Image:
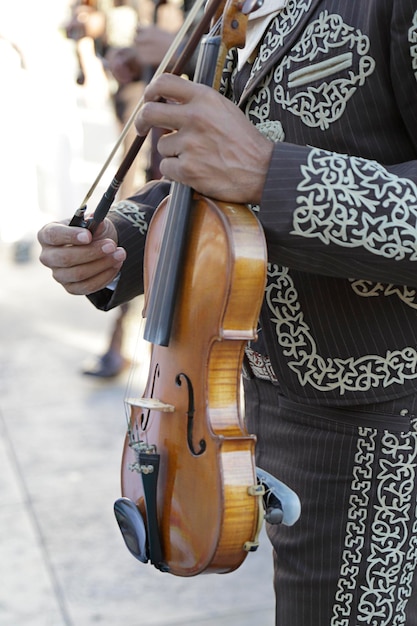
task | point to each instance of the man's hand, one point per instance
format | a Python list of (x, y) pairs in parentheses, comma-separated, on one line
[(125, 64), (152, 43), (128, 64), (212, 146), (81, 262)]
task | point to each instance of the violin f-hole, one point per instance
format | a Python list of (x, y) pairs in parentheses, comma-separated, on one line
[(190, 416)]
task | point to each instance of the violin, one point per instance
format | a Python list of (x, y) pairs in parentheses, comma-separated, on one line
[(193, 500)]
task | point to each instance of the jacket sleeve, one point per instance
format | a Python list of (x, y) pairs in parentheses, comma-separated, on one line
[(341, 216), (345, 216)]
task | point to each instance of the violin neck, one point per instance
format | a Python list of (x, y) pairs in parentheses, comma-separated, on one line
[(161, 305), (165, 284), (206, 67)]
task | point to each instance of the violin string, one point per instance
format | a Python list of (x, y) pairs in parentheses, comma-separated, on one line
[(139, 364), (135, 380)]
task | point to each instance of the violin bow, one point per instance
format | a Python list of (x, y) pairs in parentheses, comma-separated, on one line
[(109, 195)]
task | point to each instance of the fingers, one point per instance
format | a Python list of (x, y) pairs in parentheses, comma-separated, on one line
[(169, 145), (60, 234), (78, 255), (212, 146), (87, 278), (152, 43), (125, 64), (80, 262), (171, 89)]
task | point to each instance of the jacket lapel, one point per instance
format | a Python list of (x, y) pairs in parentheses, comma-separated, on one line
[(280, 37)]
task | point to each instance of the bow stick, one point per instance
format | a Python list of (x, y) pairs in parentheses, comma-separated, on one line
[(108, 197)]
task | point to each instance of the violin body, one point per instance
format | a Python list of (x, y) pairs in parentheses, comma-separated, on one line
[(190, 417)]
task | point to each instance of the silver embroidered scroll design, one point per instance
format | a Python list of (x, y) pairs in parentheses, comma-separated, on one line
[(272, 130), (353, 202), (328, 374), (412, 38), (355, 530), (258, 107), (228, 75), (131, 212), (370, 289), (281, 26), (260, 365), (323, 71), (392, 558), (387, 580), (409, 568)]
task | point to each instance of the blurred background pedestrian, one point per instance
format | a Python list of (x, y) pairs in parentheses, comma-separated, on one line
[(122, 43)]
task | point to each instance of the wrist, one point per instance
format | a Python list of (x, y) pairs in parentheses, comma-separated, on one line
[(262, 161)]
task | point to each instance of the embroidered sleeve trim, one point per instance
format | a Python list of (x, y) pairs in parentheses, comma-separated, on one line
[(340, 203), (132, 212)]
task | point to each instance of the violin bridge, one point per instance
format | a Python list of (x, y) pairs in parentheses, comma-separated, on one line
[(152, 404)]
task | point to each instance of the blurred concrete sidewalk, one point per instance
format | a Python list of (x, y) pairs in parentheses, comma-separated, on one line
[(62, 559)]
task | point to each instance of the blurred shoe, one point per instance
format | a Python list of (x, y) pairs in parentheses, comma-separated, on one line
[(22, 251), (107, 366)]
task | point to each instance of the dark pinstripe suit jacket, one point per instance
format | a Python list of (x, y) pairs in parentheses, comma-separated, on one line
[(334, 84)]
